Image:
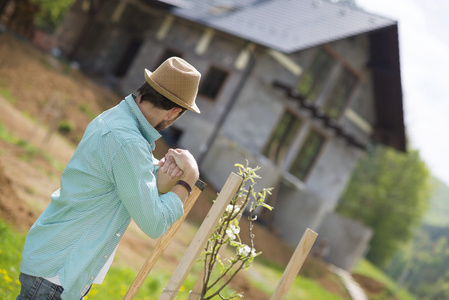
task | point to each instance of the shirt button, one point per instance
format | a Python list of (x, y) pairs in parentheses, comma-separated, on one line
[(105, 256), (92, 278), (118, 234)]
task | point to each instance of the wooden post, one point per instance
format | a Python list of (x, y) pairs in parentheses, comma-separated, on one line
[(295, 264), (163, 242), (195, 293), (196, 246)]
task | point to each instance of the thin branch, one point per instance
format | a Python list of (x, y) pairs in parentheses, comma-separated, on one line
[(227, 282)]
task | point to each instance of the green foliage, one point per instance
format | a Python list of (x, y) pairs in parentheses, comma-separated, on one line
[(423, 266), (51, 12), (439, 209), (389, 193)]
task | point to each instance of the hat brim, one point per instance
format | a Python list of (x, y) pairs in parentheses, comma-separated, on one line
[(169, 95)]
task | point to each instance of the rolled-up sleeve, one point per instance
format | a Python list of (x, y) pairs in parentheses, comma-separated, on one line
[(134, 176)]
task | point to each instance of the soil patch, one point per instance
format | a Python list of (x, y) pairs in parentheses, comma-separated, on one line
[(12, 209), (368, 284)]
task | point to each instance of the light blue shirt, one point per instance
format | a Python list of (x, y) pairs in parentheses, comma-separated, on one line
[(110, 178)]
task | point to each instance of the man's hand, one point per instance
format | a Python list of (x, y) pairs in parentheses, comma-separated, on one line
[(177, 164), (168, 166), (168, 174), (187, 163)]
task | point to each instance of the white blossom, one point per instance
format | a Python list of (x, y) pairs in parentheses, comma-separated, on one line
[(235, 229), (231, 208), (245, 250), (230, 234), (253, 253), (232, 231)]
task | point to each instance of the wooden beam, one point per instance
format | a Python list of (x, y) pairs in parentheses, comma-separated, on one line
[(165, 27), (286, 62), (358, 121), (204, 41)]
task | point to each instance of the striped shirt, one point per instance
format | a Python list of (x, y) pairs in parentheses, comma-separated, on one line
[(110, 178)]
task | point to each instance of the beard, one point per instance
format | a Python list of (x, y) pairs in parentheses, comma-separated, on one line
[(162, 125)]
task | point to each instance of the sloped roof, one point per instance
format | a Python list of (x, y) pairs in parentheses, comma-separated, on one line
[(285, 25)]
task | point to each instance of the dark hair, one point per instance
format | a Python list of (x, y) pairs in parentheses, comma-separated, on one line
[(149, 94)]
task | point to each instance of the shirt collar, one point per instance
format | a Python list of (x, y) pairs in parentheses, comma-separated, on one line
[(148, 132)]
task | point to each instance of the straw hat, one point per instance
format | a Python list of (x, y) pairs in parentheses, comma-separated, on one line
[(177, 80)]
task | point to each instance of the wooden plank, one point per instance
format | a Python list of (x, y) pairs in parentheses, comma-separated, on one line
[(163, 242), (295, 264), (195, 293), (196, 246)]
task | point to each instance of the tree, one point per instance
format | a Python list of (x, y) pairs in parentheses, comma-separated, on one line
[(227, 232), (51, 12), (389, 193)]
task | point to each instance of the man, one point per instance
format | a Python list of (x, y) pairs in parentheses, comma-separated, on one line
[(111, 178)]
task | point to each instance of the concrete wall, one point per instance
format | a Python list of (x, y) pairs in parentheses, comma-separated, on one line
[(295, 210), (347, 240)]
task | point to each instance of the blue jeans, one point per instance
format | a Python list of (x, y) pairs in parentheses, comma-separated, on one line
[(38, 288)]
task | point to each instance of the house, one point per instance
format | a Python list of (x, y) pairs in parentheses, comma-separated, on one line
[(301, 88)]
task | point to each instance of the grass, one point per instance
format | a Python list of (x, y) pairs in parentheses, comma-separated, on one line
[(367, 269), (266, 275), (84, 108), (30, 152), (6, 93), (10, 255)]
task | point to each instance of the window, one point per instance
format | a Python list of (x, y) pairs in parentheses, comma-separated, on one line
[(307, 155), (93, 36), (339, 95), (213, 82), (127, 57), (282, 138), (313, 80)]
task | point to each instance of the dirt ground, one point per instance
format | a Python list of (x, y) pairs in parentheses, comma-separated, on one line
[(28, 176)]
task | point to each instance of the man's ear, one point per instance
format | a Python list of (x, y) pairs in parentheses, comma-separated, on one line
[(173, 113)]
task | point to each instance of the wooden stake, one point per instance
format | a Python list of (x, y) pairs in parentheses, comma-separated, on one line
[(295, 264), (163, 242), (207, 227)]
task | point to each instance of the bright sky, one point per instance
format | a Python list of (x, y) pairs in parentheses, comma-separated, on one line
[(424, 49)]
